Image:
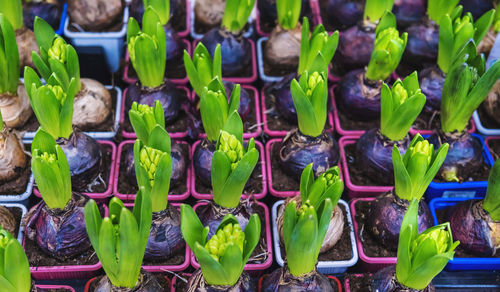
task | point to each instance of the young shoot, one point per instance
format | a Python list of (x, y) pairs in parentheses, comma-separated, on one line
[(400, 107), (491, 202), (145, 119), (314, 192), (436, 9), (2, 124), (161, 7), (148, 48), (9, 57), (422, 256), (223, 257), (236, 14), (15, 275), (375, 9), (51, 170), (288, 13), (466, 86), (201, 69), (120, 239), (414, 171), (387, 50), (13, 10)]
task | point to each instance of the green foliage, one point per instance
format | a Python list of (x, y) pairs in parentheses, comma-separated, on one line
[(13, 10), (328, 185), (201, 70), (375, 9), (9, 57), (236, 14), (162, 8), (491, 202), (14, 266), (436, 9), (288, 13)]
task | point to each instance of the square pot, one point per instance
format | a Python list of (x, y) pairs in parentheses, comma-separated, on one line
[(130, 78), (462, 263), (356, 191), (132, 135), (103, 195), (493, 144), (324, 267), (131, 197), (336, 119), (112, 43), (115, 115), (461, 190), (209, 196), (266, 120), (19, 216), (483, 129), (56, 287), (256, 111), (89, 283), (29, 185), (64, 15), (331, 278), (265, 224)]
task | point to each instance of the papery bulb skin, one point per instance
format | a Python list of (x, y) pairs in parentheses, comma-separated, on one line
[(282, 97), (26, 43), (282, 48), (355, 47), (408, 12), (167, 94), (374, 155), (212, 215), (431, 81), (209, 13), (386, 214), (476, 7), (93, 15), (385, 280), (7, 220), (165, 238), (92, 105), (359, 97), (13, 159), (343, 14), (59, 233), (236, 51), (197, 283), (202, 161), (492, 103), (50, 11), (146, 283), (478, 234), (84, 156), (280, 280), (245, 107), (297, 151), (422, 43), (16, 109), (464, 158)]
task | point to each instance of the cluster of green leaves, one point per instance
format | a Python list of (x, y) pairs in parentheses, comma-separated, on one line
[(456, 31), (152, 161), (491, 202), (400, 107), (314, 192), (422, 256), (224, 267), (13, 10), (161, 7), (414, 171), (387, 50), (15, 273), (236, 14), (120, 239), (288, 13), (9, 58), (148, 48), (375, 9), (466, 86), (436, 9), (51, 170), (201, 70)]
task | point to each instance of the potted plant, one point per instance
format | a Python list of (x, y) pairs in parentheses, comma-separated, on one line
[(367, 161), (381, 217), (358, 93), (53, 11), (267, 14), (421, 256), (179, 14), (338, 251), (474, 222), (278, 95), (466, 86), (11, 217), (25, 38), (222, 250)]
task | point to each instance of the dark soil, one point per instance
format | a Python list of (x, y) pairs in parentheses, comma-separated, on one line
[(281, 181), (494, 146), (430, 121), (126, 186), (19, 184), (100, 184), (173, 70), (481, 175), (371, 247), (274, 70), (18, 215), (357, 175), (360, 284), (253, 185), (178, 20), (486, 121), (161, 279), (346, 123)]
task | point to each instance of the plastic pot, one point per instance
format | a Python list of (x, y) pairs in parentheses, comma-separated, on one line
[(56, 287), (29, 187), (339, 286), (131, 197), (483, 129), (324, 267), (109, 190), (87, 286), (336, 119), (489, 142), (20, 233)]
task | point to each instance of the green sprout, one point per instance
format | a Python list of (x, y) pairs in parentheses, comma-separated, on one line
[(232, 166), (148, 48), (201, 70), (120, 239), (161, 7), (375, 9), (2, 124), (13, 10), (319, 41), (414, 171), (9, 57), (400, 107), (288, 13), (387, 50), (314, 192), (436, 9), (491, 201), (466, 86), (422, 256), (496, 21), (145, 119), (223, 257), (455, 32), (236, 14), (14, 266), (51, 170)]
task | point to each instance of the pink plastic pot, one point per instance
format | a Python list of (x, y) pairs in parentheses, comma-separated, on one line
[(55, 287), (413, 131), (366, 263), (249, 267), (276, 133), (109, 190), (185, 32), (258, 130), (490, 140), (131, 197), (247, 79), (66, 272), (131, 135), (172, 268), (174, 281), (336, 119), (356, 191), (87, 286), (258, 196), (339, 286), (130, 80), (272, 190)]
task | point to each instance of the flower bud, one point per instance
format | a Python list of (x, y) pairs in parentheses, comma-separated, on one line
[(230, 234), (149, 159), (314, 79), (58, 92), (440, 237), (399, 94), (423, 148), (58, 50)]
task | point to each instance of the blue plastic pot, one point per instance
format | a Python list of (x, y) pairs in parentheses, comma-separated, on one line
[(64, 15), (462, 263)]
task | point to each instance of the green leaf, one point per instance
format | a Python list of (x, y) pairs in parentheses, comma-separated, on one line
[(232, 263), (107, 250), (9, 64), (402, 180), (306, 180), (13, 10), (374, 9), (191, 227), (221, 168), (252, 236), (17, 267), (325, 212), (213, 272), (162, 7), (161, 187), (288, 13), (234, 125), (491, 202), (301, 249), (436, 9), (305, 111), (289, 221), (93, 222), (129, 253), (160, 139)]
